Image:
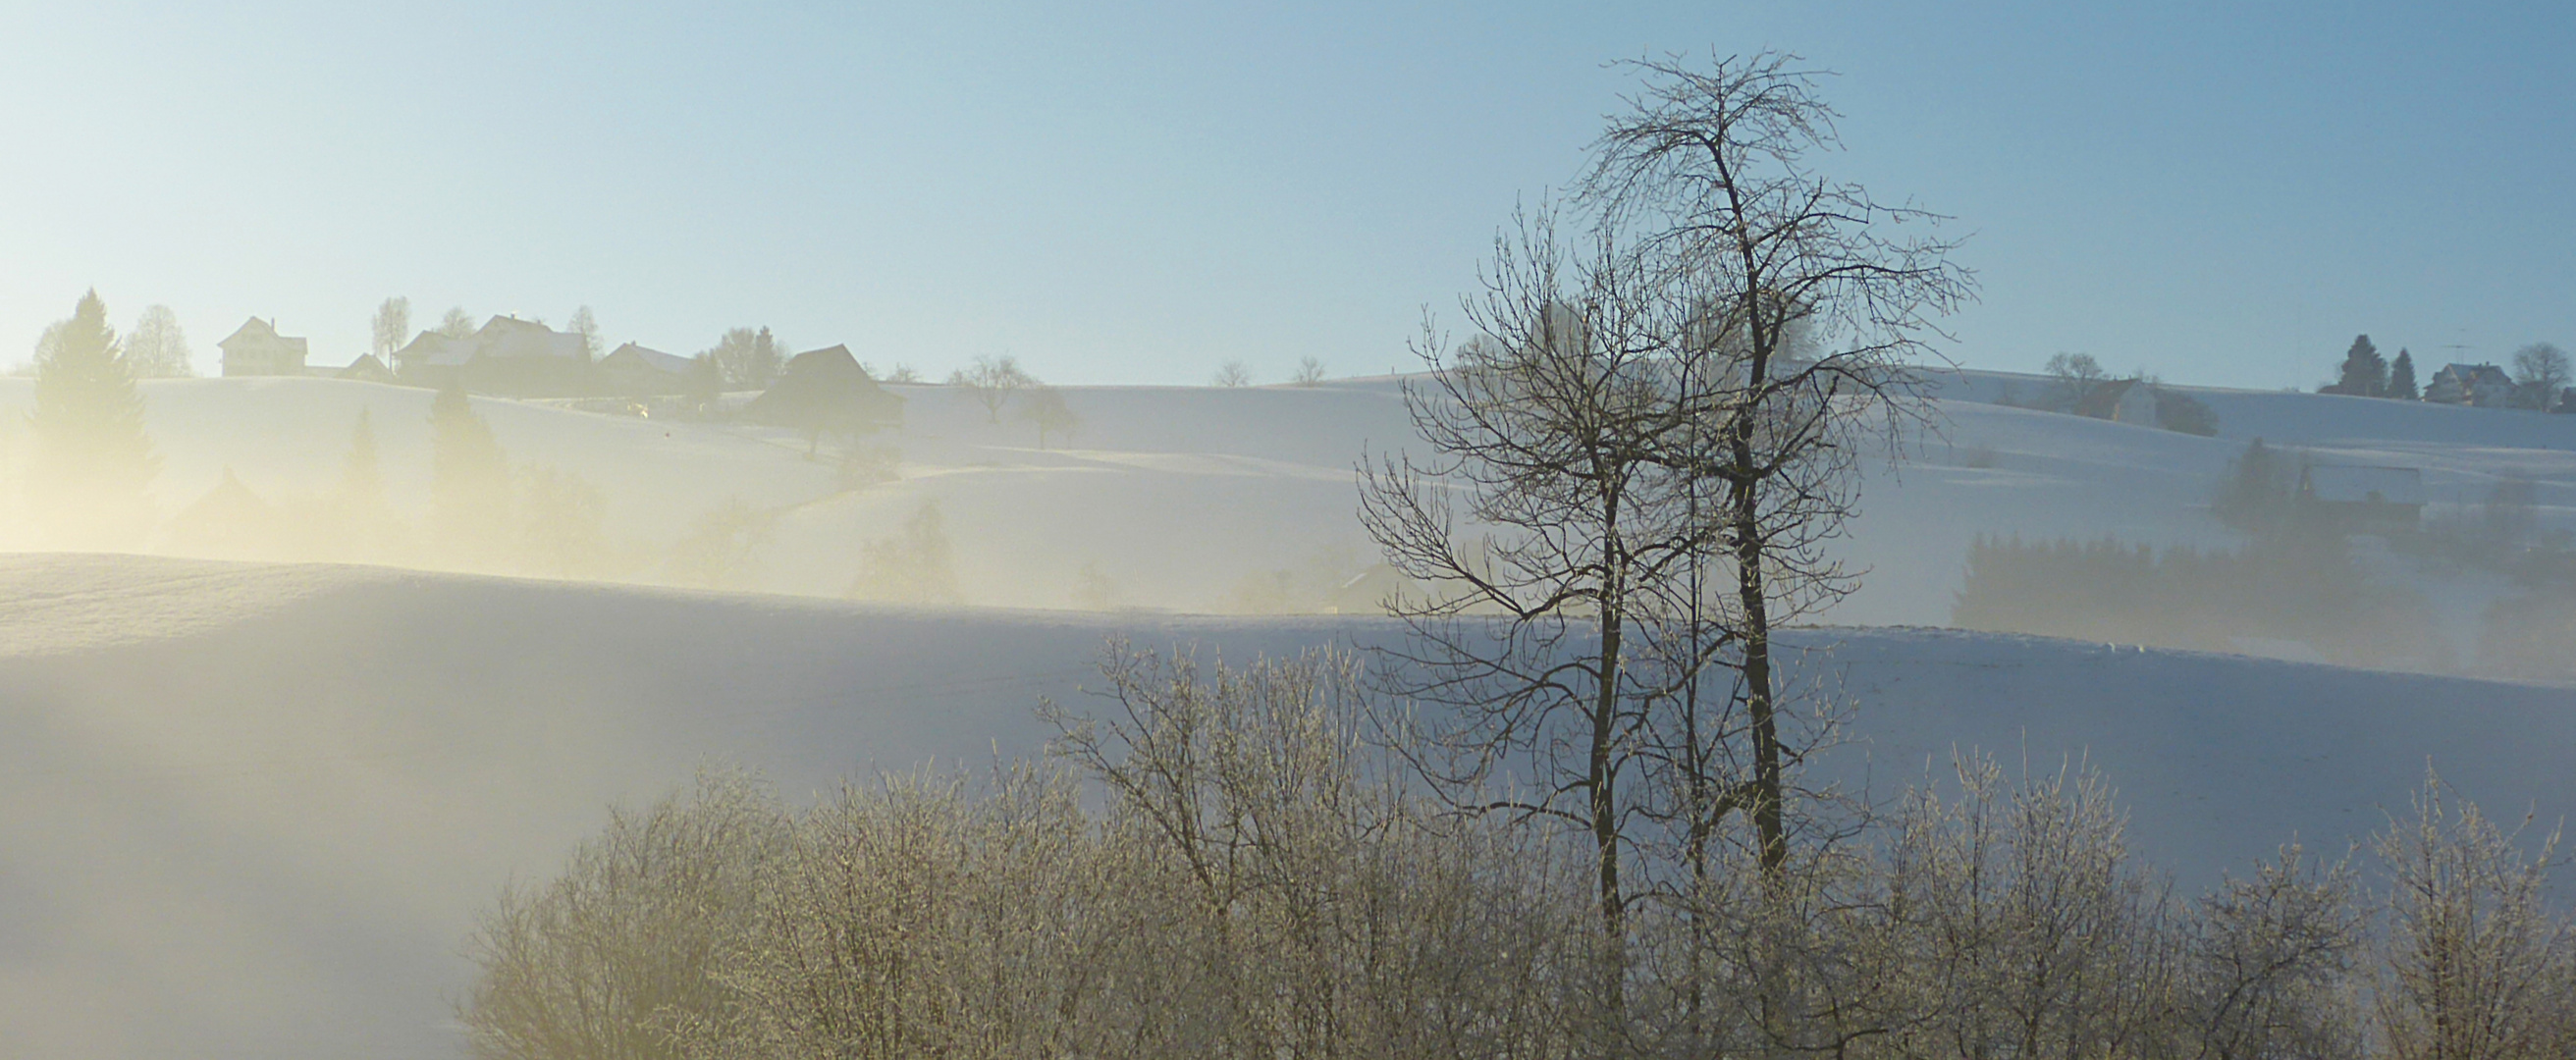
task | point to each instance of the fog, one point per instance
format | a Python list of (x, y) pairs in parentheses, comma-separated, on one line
[(1689, 647), (257, 803)]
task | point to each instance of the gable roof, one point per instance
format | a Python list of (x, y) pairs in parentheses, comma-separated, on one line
[(640, 356), (255, 332), (2476, 373), (825, 389), (507, 336), (368, 367), (435, 350)]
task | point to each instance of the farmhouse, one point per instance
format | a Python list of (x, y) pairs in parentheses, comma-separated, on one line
[(825, 391), (636, 371), (2482, 385), (506, 355), (256, 348)]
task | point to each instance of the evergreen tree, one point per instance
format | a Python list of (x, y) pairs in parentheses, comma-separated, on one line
[(2256, 494), (2401, 377), (362, 476), (92, 459), (361, 518), (469, 483), (2364, 374)]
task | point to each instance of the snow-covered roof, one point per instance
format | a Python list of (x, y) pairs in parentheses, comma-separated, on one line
[(257, 332), (2482, 373), (647, 357), (438, 351), (2354, 484), (513, 337)]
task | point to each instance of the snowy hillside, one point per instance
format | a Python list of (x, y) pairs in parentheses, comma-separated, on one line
[(1241, 499), (251, 810)]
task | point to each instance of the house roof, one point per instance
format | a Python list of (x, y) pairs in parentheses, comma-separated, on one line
[(2477, 373), (2356, 484), (367, 366), (437, 350), (632, 354), (257, 332), (824, 388), (506, 336)]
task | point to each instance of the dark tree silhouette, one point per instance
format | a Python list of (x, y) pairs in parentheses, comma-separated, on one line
[(92, 459)]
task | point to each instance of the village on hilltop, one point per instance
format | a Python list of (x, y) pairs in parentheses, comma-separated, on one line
[(818, 391)]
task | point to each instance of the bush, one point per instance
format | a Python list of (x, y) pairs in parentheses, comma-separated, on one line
[(1250, 874)]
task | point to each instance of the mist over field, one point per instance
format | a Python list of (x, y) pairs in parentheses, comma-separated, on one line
[(1216, 597)]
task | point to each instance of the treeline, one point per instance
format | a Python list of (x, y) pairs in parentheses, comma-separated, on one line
[(2275, 589), (1231, 864), (2539, 379)]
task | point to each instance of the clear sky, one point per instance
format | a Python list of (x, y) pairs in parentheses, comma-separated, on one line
[(2217, 193)]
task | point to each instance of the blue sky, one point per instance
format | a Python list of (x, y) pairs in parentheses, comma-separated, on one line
[(2219, 194)]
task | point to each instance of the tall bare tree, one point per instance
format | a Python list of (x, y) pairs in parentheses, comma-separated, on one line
[(1547, 427), (586, 326), (392, 327), (1809, 302)]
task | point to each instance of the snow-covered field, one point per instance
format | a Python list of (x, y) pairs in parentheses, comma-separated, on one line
[(250, 810)]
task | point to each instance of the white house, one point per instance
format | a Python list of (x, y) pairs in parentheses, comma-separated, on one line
[(256, 348)]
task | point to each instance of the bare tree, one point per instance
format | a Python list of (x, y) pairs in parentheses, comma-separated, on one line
[(1546, 426), (991, 382), (586, 326), (1309, 371), (1807, 310), (457, 324), (1046, 408), (2072, 377), (2477, 963), (2540, 373), (1233, 373), (392, 328), (156, 348)]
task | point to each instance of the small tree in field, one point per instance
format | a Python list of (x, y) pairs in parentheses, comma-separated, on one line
[(1233, 373), (1045, 408), (157, 348), (2540, 372), (1309, 372), (991, 382)]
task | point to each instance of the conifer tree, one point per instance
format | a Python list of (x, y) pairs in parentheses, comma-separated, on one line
[(469, 485), (2363, 374), (92, 459), (363, 517), (2401, 378)]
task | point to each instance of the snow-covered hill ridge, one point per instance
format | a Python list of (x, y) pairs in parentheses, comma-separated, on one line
[(250, 810), (1210, 499)]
